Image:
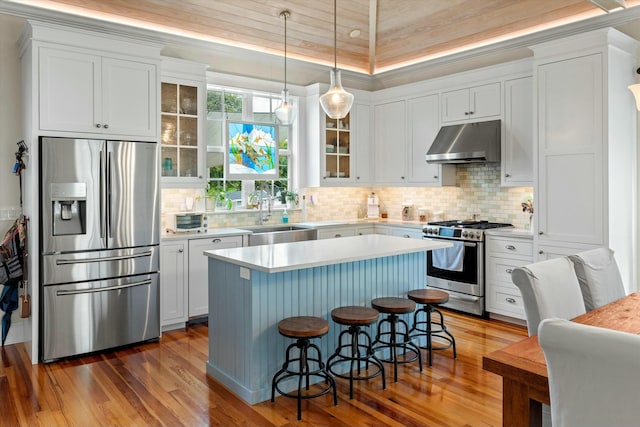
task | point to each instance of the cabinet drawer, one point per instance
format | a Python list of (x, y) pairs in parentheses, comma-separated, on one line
[(499, 269), (506, 301), (510, 246)]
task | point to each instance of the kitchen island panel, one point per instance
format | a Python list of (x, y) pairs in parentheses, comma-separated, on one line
[(245, 348)]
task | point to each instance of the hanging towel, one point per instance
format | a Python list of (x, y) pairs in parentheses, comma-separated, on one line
[(449, 258)]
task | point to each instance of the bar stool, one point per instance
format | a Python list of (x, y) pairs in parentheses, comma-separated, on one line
[(389, 339), (430, 299), (303, 329), (354, 351)]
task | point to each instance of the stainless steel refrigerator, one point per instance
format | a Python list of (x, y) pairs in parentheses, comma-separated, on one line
[(99, 213)]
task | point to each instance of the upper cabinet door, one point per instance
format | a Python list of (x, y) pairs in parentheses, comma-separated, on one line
[(390, 143), (424, 126), (472, 103), (517, 148), (82, 93), (128, 93), (70, 93)]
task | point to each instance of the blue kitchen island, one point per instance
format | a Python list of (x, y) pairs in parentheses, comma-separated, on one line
[(252, 288)]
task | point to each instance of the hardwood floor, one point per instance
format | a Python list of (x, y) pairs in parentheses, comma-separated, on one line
[(165, 384)]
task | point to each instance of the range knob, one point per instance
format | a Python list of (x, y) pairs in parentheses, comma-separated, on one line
[(465, 234)]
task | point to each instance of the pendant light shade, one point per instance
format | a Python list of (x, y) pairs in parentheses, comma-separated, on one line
[(337, 102), (286, 112), (635, 89)]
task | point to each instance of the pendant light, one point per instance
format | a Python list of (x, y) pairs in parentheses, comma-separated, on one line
[(635, 89), (286, 113), (337, 102)]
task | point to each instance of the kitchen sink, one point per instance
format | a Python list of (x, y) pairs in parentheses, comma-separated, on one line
[(266, 235)]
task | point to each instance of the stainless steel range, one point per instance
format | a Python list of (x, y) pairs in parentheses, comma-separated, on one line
[(459, 270)]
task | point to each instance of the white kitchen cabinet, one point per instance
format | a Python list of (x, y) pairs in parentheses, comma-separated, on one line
[(407, 233), (517, 140), (471, 104), (199, 270), (390, 143), (84, 91), (586, 132), (424, 125), (182, 121), (503, 255), (173, 283), (363, 230)]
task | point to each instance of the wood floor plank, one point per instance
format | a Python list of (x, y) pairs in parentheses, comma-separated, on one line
[(165, 383)]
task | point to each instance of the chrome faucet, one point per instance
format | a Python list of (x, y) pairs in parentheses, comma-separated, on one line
[(262, 219)]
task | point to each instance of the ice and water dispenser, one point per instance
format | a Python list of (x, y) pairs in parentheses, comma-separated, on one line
[(69, 208)]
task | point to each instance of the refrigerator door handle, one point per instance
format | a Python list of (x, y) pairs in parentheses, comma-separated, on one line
[(109, 288), (102, 197), (101, 259), (109, 231)]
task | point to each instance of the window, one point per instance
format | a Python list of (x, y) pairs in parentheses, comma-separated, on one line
[(244, 105)]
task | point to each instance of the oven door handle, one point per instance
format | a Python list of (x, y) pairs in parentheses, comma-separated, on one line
[(464, 297), (466, 244)]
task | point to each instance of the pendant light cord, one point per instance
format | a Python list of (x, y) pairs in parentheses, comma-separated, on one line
[(285, 14), (335, 35)]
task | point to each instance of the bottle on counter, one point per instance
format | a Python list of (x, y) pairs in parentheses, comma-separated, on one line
[(285, 217)]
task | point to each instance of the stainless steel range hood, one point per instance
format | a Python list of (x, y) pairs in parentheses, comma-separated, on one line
[(466, 143)]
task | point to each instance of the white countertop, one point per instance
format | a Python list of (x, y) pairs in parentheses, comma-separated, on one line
[(315, 253)]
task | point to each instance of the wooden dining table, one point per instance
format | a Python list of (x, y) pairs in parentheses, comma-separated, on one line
[(525, 382)]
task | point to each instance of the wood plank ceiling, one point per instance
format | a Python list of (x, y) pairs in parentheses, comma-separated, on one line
[(392, 33)]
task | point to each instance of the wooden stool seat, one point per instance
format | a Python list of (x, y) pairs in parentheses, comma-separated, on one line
[(428, 296), (393, 305), (354, 315), (303, 327)]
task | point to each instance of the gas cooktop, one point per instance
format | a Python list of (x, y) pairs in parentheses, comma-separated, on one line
[(460, 230), (476, 225)]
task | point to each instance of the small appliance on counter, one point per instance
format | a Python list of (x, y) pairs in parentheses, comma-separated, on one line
[(184, 222), (373, 206), (407, 211)]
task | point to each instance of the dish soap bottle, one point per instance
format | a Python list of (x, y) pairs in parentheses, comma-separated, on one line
[(285, 217)]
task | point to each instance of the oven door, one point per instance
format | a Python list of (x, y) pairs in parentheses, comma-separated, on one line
[(471, 265)]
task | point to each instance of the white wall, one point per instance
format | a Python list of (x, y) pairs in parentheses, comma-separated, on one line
[(10, 134)]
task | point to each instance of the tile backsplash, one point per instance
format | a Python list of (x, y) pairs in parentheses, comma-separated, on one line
[(477, 192)]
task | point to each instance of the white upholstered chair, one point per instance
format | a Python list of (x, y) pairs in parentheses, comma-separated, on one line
[(599, 277), (549, 289), (594, 374)]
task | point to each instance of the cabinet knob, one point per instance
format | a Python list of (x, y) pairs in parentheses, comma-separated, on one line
[(337, 235), (406, 236), (540, 252), (357, 177), (510, 247), (507, 175), (180, 251), (106, 126), (435, 177), (509, 270), (466, 113), (471, 112), (510, 300), (216, 241), (540, 233), (402, 177), (98, 125)]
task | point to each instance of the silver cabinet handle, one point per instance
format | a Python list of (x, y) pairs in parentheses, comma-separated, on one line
[(509, 270), (337, 235), (541, 232), (406, 236), (510, 247), (106, 126), (507, 175), (216, 240), (510, 300), (435, 177), (102, 259), (98, 125), (180, 251), (109, 288)]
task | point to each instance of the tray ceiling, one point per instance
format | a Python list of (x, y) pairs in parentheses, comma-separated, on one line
[(374, 36)]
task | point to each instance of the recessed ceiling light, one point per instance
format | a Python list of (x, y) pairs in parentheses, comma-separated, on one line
[(354, 33)]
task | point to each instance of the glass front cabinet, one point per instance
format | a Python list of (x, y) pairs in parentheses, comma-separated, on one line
[(181, 132), (337, 148)]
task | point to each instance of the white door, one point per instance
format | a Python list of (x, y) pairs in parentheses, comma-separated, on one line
[(517, 152), (173, 282), (390, 143), (423, 125)]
